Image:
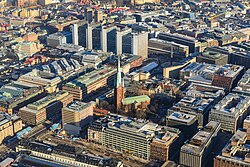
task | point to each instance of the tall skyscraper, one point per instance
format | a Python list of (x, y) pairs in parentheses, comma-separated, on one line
[(140, 44), (108, 38), (75, 34), (89, 37), (119, 36), (119, 87), (88, 14), (98, 16)]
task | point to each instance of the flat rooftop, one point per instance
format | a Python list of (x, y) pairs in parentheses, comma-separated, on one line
[(14, 91), (212, 55), (78, 106), (244, 83), (47, 100), (202, 90), (232, 103), (197, 104), (201, 139), (207, 71), (237, 149), (5, 118), (181, 117), (138, 127), (40, 75), (92, 77)]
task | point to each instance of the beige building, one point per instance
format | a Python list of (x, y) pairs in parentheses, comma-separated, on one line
[(9, 126), (46, 108), (246, 126), (140, 44), (3, 3), (45, 2), (235, 153), (27, 49), (164, 146), (140, 2), (174, 70), (77, 113), (39, 78)]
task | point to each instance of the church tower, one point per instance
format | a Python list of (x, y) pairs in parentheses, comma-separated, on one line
[(119, 87)]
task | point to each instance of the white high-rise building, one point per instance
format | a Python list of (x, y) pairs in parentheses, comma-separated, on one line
[(140, 44), (75, 34), (89, 37), (119, 39)]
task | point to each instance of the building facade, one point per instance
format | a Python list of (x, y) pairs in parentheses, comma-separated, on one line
[(231, 111), (49, 107), (9, 125), (235, 153), (195, 152)]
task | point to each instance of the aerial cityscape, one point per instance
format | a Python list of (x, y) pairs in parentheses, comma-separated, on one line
[(124, 83)]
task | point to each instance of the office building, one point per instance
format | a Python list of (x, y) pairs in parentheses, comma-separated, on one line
[(159, 46), (47, 108), (246, 123), (88, 15), (140, 44), (121, 38), (108, 38), (187, 123), (48, 81), (228, 76), (210, 57), (225, 76), (243, 86), (56, 39), (16, 95), (240, 58), (205, 91), (75, 34), (89, 83), (141, 2), (166, 145), (76, 114), (246, 126), (235, 153), (89, 59), (199, 107), (89, 36), (193, 44), (135, 137), (95, 131), (82, 35), (98, 16), (9, 125), (96, 37), (40, 154), (26, 49), (196, 151), (231, 111)]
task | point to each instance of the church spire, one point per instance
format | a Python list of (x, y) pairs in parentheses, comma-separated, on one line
[(119, 74)]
